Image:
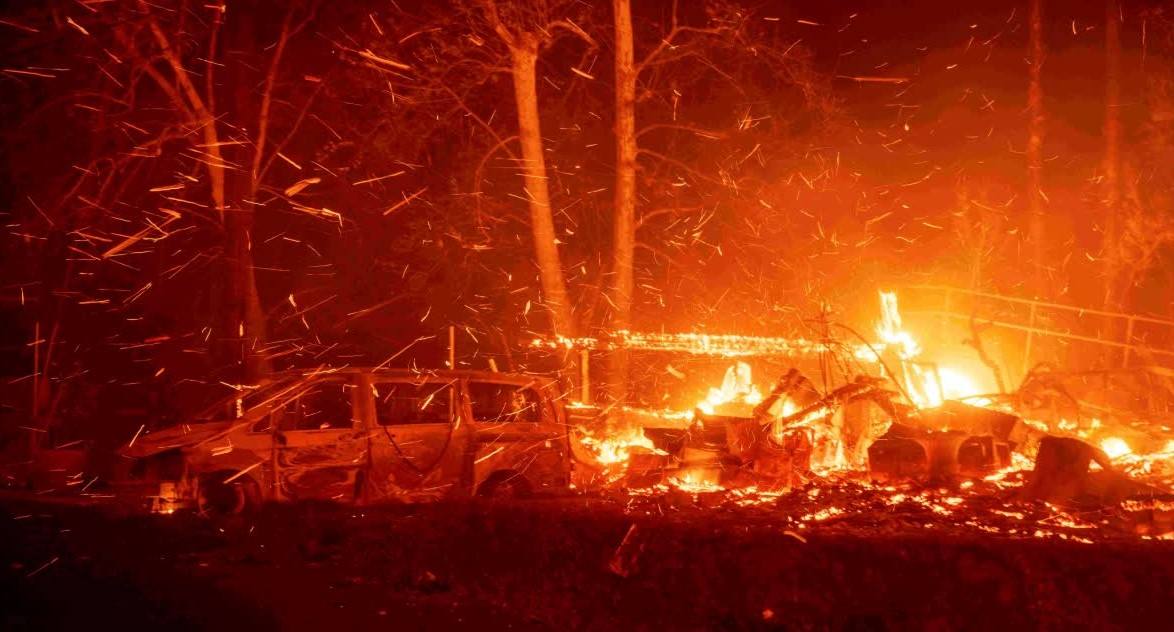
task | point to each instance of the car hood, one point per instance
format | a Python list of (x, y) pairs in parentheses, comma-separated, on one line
[(181, 436)]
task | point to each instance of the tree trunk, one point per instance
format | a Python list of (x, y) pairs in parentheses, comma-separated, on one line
[(1035, 143), (242, 321), (624, 240), (524, 53), (1111, 255)]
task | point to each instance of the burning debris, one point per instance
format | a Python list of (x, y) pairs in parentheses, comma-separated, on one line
[(912, 443)]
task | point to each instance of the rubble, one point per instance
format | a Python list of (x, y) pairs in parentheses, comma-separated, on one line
[(861, 458)]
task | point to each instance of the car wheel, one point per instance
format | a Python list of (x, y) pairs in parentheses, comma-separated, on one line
[(504, 485), (225, 493)]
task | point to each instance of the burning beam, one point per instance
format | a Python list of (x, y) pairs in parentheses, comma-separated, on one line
[(726, 346)]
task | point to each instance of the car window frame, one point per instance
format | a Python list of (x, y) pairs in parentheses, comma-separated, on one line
[(454, 410), (349, 385), (541, 411)]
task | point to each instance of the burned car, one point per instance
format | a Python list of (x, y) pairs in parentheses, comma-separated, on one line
[(358, 436)]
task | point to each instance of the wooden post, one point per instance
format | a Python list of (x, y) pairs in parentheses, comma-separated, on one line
[(584, 376), (452, 366), (452, 348), (1027, 346), (34, 422)]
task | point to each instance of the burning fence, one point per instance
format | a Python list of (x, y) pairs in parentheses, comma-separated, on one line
[(904, 438)]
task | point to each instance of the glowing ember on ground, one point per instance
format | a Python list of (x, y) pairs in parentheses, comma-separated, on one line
[(617, 448), (1115, 447)]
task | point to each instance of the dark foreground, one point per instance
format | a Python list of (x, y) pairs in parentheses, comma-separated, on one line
[(545, 565)]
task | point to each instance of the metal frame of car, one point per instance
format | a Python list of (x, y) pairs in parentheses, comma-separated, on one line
[(235, 464)]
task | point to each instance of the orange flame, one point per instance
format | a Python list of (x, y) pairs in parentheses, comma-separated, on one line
[(617, 448), (737, 388), (929, 386)]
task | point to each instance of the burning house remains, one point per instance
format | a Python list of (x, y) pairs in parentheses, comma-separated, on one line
[(903, 428)]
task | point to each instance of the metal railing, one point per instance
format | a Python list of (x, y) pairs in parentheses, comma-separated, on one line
[(1127, 343)]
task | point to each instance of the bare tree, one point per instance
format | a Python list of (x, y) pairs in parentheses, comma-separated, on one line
[(525, 30), (716, 54), (441, 66), (236, 161), (1112, 162), (181, 130), (666, 172), (1035, 142)]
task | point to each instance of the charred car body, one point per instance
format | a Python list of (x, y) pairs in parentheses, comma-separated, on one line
[(359, 436)]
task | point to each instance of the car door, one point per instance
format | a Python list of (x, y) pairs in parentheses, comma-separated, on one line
[(419, 439), (319, 443), (517, 431)]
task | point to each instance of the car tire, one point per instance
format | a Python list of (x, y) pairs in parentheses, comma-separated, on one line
[(224, 493)]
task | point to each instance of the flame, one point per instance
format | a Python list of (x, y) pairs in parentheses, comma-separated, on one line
[(890, 330), (696, 482), (1156, 466), (939, 386), (1115, 447), (737, 388), (928, 385)]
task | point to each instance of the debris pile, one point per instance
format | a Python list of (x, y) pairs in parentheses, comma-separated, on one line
[(897, 451)]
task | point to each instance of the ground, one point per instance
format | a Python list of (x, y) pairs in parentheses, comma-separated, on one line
[(555, 564)]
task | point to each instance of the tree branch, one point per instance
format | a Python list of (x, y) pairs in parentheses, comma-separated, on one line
[(501, 144), (267, 97), (700, 131), (210, 62), (658, 252), (647, 217), (489, 7), (668, 43), (292, 130), (573, 29), (680, 165)]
